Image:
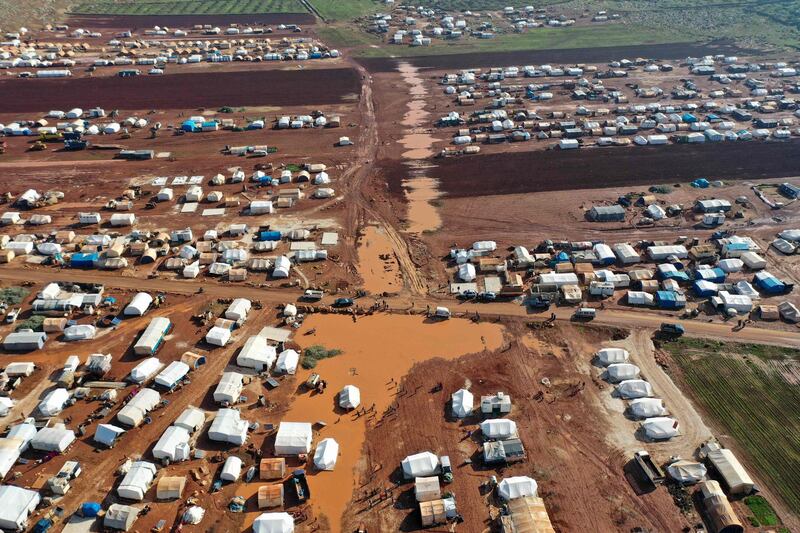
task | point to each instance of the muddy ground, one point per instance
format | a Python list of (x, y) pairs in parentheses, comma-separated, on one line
[(556, 170), (599, 54), (563, 428), (242, 88), (102, 22)]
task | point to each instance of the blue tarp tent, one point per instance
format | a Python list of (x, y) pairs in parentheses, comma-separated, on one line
[(269, 235), (704, 289), (670, 300), (769, 283), (700, 183), (90, 509), (189, 126), (688, 117), (81, 260)]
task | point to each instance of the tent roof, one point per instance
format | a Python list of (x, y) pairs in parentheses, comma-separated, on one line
[(517, 487), (462, 401), (326, 454), (420, 464), (349, 397), (273, 523)]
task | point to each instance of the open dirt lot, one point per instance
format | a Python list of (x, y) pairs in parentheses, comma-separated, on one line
[(243, 88), (564, 432), (133, 22), (555, 170)]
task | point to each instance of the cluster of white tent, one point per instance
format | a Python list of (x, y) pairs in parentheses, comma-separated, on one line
[(656, 425)]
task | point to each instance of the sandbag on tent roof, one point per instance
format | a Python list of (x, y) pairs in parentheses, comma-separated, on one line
[(687, 472), (660, 428), (274, 523), (53, 439), (107, 434), (621, 371), (517, 487), (609, 356), (326, 454), (53, 402), (462, 403), (144, 370), (287, 361), (499, 428), (420, 465), (349, 397), (634, 388), (647, 407)]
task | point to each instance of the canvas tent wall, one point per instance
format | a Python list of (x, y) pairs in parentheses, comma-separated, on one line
[(517, 487), (134, 412), (173, 445), (53, 439), (121, 517), (232, 469), (647, 407), (621, 371), (139, 304), (191, 419), (634, 388), (171, 376), (462, 402), (326, 454), (293, 438), (274, 523), (256, 354), (137, 481), (107, 434), (228, 427), (229, 388), (18, 504), (730, 469), (660, 428), (608, 356), (422, 464), (145, 370), (238, 309), (53, 403), (499, 428), (427, 488), (287, 362), (153, 336)]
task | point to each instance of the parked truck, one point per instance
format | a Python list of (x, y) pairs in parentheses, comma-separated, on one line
[(651, 470)]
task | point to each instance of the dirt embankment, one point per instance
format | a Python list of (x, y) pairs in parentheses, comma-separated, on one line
[(133, 22), (555, 170), (599, 54), (181, 91), (563, 426)]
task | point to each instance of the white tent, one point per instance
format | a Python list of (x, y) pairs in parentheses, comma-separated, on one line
[(53, 439), (634, 388), (466, 272), (517, 487), (608, 356), (170, 376), (24, 433), (6, 404), (293, 438), (139, 305), (191, 419), (660, 428), (133, 413), (687, 472), (420, 465), (287, 362), (137, 481), (10, 450), (462, 403), (228, 427), (53, 402), (349, 397), (499, 428), (238, 309), (218, 336), (173, 445), (229, 388), (647, 407), (18, 503), (282, 267), (232, 469), (257, 354), (621, 371), (80, 332), (107, 434), (144, 370), (326, 454), (274, 523)]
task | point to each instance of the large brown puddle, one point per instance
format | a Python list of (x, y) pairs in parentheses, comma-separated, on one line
[(377, 263), (420, 190), (377, 352)]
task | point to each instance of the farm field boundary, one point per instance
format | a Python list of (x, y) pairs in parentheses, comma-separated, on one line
[(190, 7)]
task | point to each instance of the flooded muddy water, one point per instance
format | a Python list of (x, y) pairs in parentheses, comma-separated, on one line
[(377, 352), (377, 263), (420, 190)]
